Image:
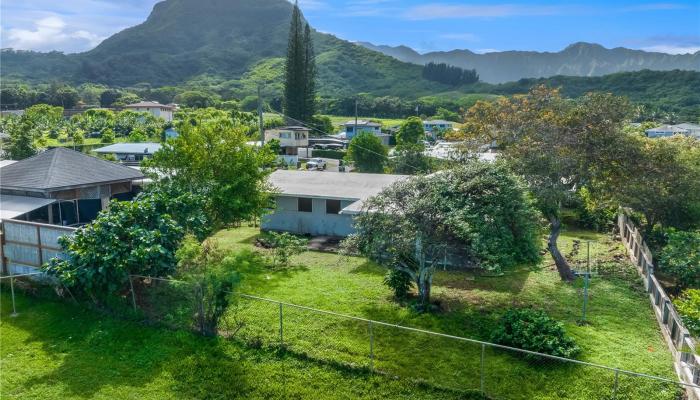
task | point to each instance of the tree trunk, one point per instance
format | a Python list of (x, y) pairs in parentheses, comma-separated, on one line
[(562, 265), (424, 282)]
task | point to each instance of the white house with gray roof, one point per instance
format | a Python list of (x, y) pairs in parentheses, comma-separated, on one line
[(164, 111), (321, 203)]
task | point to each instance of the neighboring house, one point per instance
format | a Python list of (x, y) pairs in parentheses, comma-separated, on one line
[(164, 111), (171, 133), (666, 130), (365, 126), (62, 187), (693, 129), (432, 127), (321, 203), (130, 153), (291, 139)]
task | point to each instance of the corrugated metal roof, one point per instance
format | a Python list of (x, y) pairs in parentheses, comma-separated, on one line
[(61, 168), (130, 148), (13, 206)]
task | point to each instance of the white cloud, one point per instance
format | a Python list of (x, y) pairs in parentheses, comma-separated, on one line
[(444, 11), (672, 49), (50, 33)]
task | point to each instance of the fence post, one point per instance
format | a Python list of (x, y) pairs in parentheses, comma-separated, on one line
[(483, 353), (371, 347), (133, 296), (617, 373), (281, 328), (12, 291)]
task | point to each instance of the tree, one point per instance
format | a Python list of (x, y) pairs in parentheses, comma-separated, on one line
[(411, 160), (411, 132), (367, 152), (130, 237), (29, 131), (196, 99), (557, 145), (109, 97), (214, 276), (285, 245), (478, 213), (211, 156), (680, 258), (300, 71)]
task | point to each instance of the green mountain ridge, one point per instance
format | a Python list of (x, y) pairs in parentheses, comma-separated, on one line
[(182, 40)]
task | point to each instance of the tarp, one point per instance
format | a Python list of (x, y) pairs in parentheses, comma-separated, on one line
[(12, 206)]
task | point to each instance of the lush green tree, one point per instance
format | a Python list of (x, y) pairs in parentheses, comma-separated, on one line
[(95, 120), (368, 153), (130, 237), (680, 258), (196, 99), (284, 245), (556, 145), (212, 156), (28, 132), (107, 136), (688, 306), (411, 132), (213, 275), (660, 181), (322, 123), (478, 213), (411, 160), (109, 97), (300, 71), (126, 98), (187, 206), (63, 96)]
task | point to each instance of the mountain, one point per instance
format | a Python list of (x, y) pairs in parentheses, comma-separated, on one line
[(579, 59), (215, 40)]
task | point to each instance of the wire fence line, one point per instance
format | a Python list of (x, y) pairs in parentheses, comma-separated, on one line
[(437, 359)]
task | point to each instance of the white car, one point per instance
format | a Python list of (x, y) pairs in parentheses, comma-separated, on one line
[(316, 163)]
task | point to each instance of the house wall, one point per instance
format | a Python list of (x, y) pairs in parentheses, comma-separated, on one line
[(286, 218), (29, 245), (164, 113)]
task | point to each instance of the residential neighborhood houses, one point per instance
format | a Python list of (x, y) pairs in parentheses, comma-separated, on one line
[(130, 153), (686, 129), (164, 111), (63, 187), (309, 203), (291, 139)]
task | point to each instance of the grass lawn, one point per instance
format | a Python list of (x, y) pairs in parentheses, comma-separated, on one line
[(59, 351), (622, 331)]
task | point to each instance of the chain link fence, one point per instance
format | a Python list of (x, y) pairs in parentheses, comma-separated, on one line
[(434, 358)]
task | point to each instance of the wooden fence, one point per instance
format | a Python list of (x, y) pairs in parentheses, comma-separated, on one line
[(26, 246), (681, 344)]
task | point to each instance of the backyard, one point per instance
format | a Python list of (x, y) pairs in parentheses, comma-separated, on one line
[(66, 351)]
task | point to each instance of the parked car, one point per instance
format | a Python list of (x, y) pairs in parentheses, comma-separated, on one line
[(316, 163)]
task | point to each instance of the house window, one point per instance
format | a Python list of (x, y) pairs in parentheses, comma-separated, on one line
[(332, 206), (304, 204)]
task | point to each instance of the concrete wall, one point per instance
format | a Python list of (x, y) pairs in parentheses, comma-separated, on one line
[(286, 218)]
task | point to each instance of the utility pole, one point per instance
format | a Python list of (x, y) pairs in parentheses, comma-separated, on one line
[(355, 129), (260, 116)]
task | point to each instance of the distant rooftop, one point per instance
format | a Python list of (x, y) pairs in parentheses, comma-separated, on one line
[(62, 169), (667, 128), (438, 122), (333, 185), (149, 104), (129, 148), (361, 122)]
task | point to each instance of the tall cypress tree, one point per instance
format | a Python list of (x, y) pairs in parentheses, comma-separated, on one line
[(300, 71), (294, 84), (309, 76)]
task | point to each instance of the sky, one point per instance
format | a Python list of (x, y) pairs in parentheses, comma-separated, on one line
[(483, 26)]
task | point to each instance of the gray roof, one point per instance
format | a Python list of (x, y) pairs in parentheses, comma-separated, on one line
[(438, 122), (361, 122), (667, 128), (688, 126), (149, 104), (60, 169), (13, 206), (332, 185), (130, 148)]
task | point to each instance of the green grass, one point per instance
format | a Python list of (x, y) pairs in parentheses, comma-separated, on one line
[(56, 350), (621, 332)]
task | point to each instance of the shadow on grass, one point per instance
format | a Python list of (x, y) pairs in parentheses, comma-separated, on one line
[(92, 352), (369, 268)]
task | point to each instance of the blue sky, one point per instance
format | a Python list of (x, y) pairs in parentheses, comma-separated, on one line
[(483, 26)]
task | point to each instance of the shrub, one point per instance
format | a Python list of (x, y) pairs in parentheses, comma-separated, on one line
[(334, 154), (688, 306), (680, 258), (534, 330), (399, 281), (284, 245)]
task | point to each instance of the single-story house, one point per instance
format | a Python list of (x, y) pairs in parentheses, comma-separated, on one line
[(164, 111), (63, 187), (693, 129), (130, 152), (291, 139), (365, 126), (321, 203), (666, 130)]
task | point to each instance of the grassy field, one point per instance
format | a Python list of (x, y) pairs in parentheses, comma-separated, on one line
[(60, 351), (621, 330), (56, 350)]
